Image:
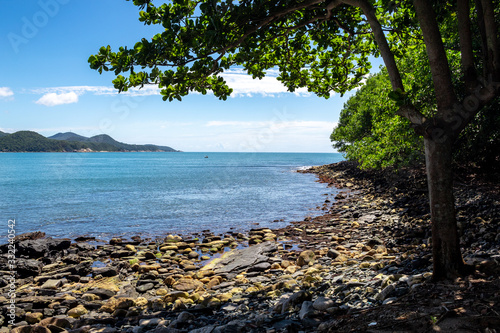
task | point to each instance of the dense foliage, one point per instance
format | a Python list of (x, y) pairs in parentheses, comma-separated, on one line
[(370, 132)]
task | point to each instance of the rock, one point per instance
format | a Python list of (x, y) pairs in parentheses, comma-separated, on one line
[(204, 329), (52, 284), (149, 255), (306, 310), (145, 287), (287, 302), (184, 317), (130, 247), (323, 303), (29, 236), (306, 257), (173, 239), (102, 293), (236, 261), (185, 284), (150, 322), (30, 329), (77, 312), (28, 267), (33, 318), (263, 266), (104, 271), (59, 322), (193, 255), (40, 247), (115, 241), (385, 292), (333, 253)]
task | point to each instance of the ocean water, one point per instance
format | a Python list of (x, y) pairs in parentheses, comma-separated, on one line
[(154, 194)]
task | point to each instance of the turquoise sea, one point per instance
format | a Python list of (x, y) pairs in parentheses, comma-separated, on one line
[(154, 194)]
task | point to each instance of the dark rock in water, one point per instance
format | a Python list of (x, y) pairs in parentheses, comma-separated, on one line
[(40, 247), (84, 247), (28, 267), (240, 260), (29, 236), (121, 254)]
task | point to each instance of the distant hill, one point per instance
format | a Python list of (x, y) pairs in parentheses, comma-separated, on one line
[(69, 136), (28, 141)]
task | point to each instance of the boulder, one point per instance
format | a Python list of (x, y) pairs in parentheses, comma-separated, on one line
[(38, 248), (28, 267), (306, 257), (237, 261)]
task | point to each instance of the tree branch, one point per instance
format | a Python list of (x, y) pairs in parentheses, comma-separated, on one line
[(491, 38), (465, 36), (441, 76), (482, 31), (378, 33)]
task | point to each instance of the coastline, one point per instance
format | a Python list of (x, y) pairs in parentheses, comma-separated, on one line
[(359, 266)]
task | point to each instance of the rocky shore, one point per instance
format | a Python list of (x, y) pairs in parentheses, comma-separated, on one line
[(364, 265)]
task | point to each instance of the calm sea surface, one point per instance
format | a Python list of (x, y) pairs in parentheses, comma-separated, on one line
[(153, 194)]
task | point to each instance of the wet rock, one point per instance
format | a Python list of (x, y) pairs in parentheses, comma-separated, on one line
[(115, 241)]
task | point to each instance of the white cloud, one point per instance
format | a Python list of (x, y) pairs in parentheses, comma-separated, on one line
[(6, 92), (98, 90), (53, 99), (243, 84)]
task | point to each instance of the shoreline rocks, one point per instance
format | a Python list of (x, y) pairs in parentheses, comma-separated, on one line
[(366, 252)]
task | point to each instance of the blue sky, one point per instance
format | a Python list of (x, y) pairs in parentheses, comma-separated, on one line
[(47, 86)]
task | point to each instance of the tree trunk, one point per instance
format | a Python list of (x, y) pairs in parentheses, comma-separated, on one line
[(448, 261)]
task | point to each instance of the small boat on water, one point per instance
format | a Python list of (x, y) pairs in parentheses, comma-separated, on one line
[(206, 156)]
